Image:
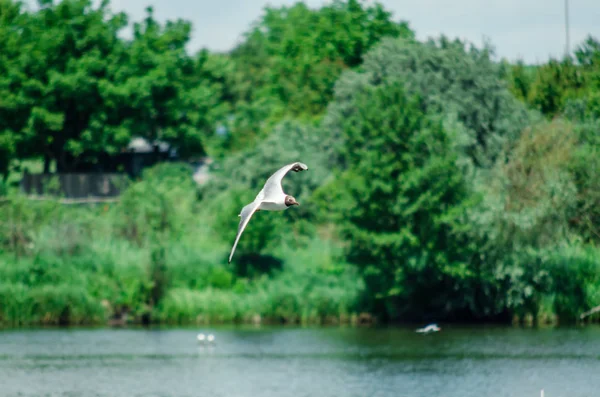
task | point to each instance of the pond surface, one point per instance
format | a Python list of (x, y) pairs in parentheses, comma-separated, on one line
[(297, 362)]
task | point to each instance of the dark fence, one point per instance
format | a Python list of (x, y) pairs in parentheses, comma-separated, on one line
[(75, 186)]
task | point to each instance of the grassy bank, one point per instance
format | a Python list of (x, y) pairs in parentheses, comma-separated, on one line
[(155, 257), (159, 255)]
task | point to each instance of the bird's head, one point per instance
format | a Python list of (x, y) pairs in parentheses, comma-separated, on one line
[(289, 201)]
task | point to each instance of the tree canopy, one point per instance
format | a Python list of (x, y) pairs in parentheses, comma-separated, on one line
[(75, 89)]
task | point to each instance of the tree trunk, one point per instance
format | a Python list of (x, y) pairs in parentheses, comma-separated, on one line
[(46, 164)]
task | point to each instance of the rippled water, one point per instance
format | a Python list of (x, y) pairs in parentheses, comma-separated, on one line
[(281, 362)]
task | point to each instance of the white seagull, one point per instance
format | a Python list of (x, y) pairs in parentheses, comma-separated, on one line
[(429, 328), (270, 198)]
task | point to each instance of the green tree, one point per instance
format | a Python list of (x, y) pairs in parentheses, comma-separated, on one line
[(162, 93), (311, 48), (77, 90), (455, 81), (537, 209), (586, 106), (587, 53), (65, 60), (520, 78), (555, 83), (12, 19), (561, 86), (403, 194), (291, 58)]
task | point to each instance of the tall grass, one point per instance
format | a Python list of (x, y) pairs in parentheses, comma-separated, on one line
[(309, 288), (158, 255), (555, 284)]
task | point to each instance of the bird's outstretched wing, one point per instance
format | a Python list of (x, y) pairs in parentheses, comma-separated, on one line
[(245, 216), (273, 184)]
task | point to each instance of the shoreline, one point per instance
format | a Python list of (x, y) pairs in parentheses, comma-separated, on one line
[(299, 324)]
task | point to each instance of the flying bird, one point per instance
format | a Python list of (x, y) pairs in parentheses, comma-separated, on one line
[(270, 198)]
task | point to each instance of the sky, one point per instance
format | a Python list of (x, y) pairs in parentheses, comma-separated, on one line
[(531, 30)]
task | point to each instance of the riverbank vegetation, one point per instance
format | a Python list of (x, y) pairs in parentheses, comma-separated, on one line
[(443, 184)]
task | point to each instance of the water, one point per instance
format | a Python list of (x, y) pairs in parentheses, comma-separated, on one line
[(297, 362)]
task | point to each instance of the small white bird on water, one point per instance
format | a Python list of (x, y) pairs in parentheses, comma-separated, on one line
[(429, 328), (202, 338), (270, 198)]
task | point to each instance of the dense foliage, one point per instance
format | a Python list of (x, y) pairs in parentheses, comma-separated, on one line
[(442, 185), (73, 90)]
